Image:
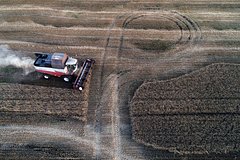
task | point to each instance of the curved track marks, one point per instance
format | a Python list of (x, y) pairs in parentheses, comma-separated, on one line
[(190, 32)]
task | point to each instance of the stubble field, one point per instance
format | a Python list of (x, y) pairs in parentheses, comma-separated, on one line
[(139, 91)]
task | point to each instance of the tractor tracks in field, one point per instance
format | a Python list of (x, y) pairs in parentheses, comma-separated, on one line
[(107, 109), (105, 105), (190, 31)]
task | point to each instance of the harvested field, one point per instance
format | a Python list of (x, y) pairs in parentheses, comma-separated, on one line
[(132, 42), (195, 113), (31, 99)]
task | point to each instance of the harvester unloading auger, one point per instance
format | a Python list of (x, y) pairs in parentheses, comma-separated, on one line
[(61, 65)]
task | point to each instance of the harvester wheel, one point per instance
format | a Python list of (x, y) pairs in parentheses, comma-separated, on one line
[(80, 88), (45, 76), (66, 79)]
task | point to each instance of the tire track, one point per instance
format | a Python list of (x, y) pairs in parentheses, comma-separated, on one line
[(98, 113), (182, 21), (114, 112)]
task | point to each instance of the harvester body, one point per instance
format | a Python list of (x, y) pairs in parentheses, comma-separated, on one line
[(57, 64), (61, 65)]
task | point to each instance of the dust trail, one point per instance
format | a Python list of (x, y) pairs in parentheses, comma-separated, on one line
[(9, 57)]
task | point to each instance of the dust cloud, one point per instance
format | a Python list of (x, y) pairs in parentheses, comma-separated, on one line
[(9, 57)]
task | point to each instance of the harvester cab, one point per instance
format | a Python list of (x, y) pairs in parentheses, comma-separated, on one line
[(61, 65)]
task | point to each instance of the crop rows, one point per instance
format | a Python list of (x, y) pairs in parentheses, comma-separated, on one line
[(35, 99), (216, 81), (195, 113), (36, 92), (136, 4), (64, 107), (188, 106), (189, 134), (45, 17)]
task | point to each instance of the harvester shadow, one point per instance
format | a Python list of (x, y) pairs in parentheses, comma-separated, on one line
[(37, 79), (11, 74)]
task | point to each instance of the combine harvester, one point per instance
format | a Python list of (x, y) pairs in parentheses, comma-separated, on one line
[(61, 65)]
